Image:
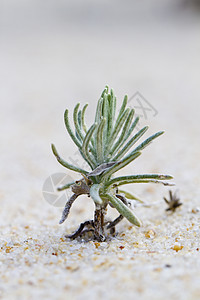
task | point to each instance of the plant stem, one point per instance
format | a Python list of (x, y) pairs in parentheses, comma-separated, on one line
[(99, 215)]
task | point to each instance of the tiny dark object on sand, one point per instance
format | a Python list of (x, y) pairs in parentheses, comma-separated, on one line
[(173, 202)]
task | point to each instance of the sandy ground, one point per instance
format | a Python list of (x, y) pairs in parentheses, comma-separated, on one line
[(54, 54)]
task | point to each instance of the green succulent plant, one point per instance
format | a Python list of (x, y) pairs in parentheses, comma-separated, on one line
[(107, 147)]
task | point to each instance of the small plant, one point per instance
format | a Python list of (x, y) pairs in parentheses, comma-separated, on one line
[(173, 202), (106, 147)]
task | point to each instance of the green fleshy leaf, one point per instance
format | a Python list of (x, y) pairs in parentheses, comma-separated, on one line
[(116, 130), (148, 141), (69, 129), (94, 194), (100, 141), (139, 181), (134, 178), (123, 134), (83, 118), (130, 143), (66, 164), (85, 146), (122, 109), (124, 210), (79, 133), (130, 196), (66, 186), (119, 165)]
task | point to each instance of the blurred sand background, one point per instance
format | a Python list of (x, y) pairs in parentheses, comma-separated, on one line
[(52, 55)]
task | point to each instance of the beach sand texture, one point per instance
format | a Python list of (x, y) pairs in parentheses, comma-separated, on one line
[(54, 54)]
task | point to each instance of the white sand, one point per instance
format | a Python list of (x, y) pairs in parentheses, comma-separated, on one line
[(52, 55)]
